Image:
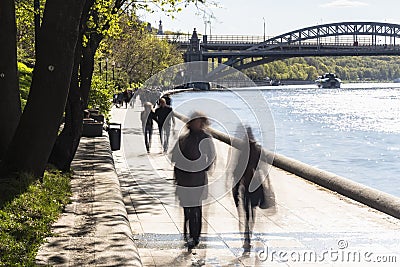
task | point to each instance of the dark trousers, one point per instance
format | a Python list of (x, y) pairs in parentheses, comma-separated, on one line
[(193, 216), (148, 132), (250, 212), (244, 205)]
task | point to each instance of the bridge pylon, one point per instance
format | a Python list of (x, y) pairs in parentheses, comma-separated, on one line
[(193, 52)]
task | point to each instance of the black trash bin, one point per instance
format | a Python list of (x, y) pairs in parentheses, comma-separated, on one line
[(114, 133)]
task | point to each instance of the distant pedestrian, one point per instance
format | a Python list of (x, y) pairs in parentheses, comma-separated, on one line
[(126, 97), (193, 155), (165, 116), (251, 188), (115, 99), (118, 99), (147, 116), (133, 97)]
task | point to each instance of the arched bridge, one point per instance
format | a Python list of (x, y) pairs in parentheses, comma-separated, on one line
[(335, 39)]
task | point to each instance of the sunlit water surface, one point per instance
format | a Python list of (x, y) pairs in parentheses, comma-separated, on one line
[(353, 131)]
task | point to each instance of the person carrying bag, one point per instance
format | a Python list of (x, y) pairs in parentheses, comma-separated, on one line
[(252, 187)]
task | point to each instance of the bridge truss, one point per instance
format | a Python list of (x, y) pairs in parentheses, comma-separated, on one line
[(335, 39)]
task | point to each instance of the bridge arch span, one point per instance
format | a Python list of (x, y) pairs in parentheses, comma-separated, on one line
[(333, 39), (346, 29)]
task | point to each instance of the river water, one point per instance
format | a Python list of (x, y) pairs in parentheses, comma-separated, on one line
[(353, 131)]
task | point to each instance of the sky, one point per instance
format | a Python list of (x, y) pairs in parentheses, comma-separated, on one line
[(253, 17)]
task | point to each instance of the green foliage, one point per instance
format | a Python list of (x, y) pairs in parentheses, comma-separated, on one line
[(24, 15), (25, 80), (26, 220), (101, 93), (132, 53), (25, 31), (376, 68), (104, 18), (139, 53)]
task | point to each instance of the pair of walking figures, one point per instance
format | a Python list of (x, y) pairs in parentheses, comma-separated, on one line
[(163, 115), (194, 155)]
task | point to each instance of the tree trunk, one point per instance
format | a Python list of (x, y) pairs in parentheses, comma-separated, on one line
[(87, 66), (10, 103), (68, 141), (37, 131)]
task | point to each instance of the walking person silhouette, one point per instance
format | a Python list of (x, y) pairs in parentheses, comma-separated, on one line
[(147, 116), (164, 116), (252, 187), (193, 155)]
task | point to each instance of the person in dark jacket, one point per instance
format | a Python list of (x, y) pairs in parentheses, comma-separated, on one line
[(165, 116), (147, 116), (126, 97), (193, 155)]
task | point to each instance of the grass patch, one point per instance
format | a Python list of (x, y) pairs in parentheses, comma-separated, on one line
[(26, 220)]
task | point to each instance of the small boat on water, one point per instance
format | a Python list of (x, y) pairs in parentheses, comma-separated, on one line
[(203, 86), (275, 82), (328, 80)]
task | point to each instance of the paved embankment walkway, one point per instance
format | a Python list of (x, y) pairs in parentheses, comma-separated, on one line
[(312, 226), (94, 229)]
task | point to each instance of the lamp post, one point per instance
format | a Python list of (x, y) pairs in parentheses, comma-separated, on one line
[(205, 23), (385, 34), (264, 28), (182, 72), (106, 71), (113, 69)]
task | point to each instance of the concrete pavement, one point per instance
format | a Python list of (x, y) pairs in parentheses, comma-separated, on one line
[(94, 229), (312, 226)]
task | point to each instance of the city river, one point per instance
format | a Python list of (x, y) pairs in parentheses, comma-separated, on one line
[(353, 132)]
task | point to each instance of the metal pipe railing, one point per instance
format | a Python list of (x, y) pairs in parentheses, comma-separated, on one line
[(376, 199)]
